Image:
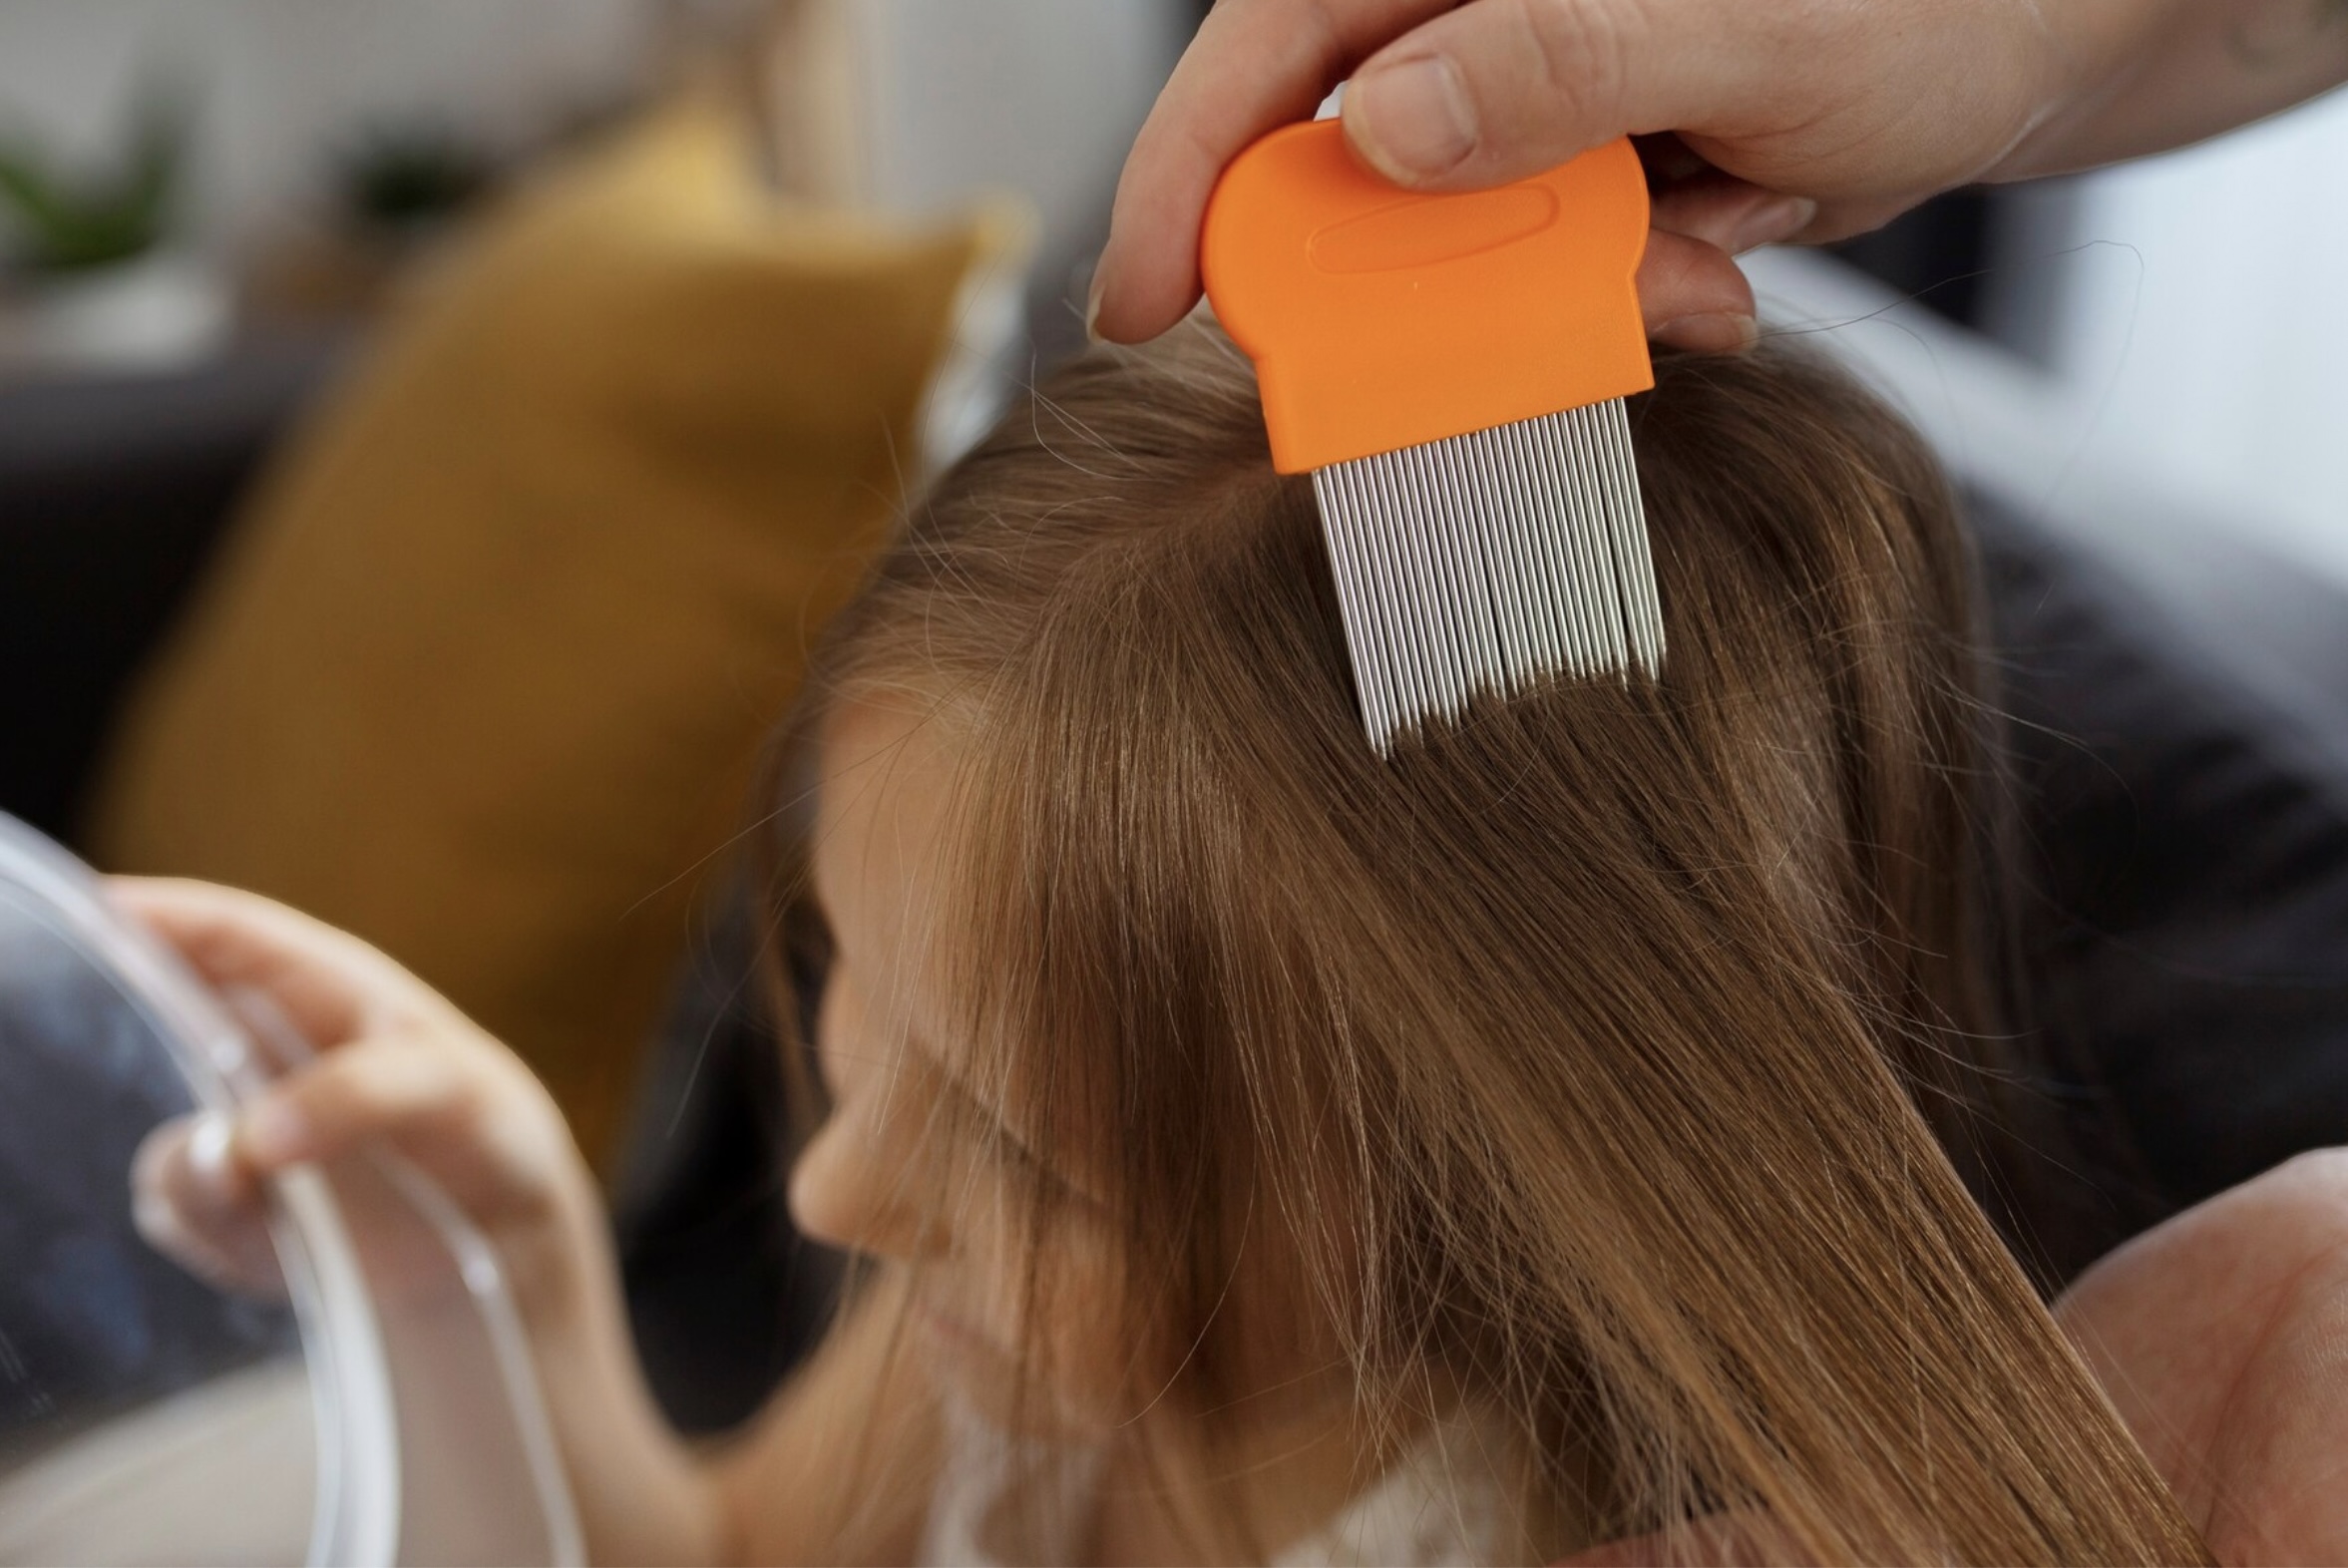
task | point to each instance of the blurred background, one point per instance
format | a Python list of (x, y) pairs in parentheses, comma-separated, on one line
[(427, 434), (305, 148)]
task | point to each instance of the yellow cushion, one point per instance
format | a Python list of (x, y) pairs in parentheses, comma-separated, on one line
[(483, 676)]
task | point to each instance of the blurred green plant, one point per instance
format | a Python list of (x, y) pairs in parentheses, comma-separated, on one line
[(405, 177), (69, 221)]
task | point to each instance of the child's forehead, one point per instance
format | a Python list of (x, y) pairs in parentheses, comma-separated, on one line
[(878, 856), (880, 864), (888, 811)]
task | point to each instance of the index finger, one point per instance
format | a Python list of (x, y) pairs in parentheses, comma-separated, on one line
[(1255, 65), (331, 985)]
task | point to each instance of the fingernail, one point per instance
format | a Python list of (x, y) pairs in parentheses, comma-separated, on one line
[(210, 1143), (1092, 295), (152, 1216), (273, 1133), (1720, 333), (1770, 223), (1412, 119)]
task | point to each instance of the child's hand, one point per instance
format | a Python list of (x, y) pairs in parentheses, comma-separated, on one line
[(396, 1067), (396, 1064)]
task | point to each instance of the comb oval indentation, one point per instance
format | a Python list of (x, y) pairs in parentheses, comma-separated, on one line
[(1420, 232)]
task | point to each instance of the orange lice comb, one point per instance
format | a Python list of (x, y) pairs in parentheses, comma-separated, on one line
[(1451, 370)]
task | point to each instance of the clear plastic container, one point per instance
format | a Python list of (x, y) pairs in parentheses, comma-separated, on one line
[(371, 1401)]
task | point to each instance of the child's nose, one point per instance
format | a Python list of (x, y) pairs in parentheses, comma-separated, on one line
[(849, 1191)]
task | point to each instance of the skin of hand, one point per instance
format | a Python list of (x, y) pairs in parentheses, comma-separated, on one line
[(399, 1067), (397, 1064), (2221, 1335), (1762, 121)]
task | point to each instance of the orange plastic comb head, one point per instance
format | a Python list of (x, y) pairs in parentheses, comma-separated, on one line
[(1380, 318), (1451, 369)]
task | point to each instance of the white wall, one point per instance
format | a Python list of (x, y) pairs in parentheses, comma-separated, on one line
[(2195, 303), (2257, 615), (1041, 96), (284, 83)]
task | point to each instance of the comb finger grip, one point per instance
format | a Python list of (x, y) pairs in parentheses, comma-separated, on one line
[(1380, 318), (1451, 370)]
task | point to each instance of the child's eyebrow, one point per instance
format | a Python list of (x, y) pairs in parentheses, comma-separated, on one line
[(916, 1037), (1001, 1125), (917, 1040)]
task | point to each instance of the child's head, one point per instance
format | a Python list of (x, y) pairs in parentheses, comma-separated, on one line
[(1567, 1063)]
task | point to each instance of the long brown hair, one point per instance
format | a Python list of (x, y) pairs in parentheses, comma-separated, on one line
[(1594, 1047)]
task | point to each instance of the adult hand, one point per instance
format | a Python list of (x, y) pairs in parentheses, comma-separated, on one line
[(2220, 1337), (1771, 119)]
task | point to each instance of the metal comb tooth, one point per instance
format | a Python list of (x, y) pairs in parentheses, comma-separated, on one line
[(1589, 549), (1634, 552), (1481, 563)]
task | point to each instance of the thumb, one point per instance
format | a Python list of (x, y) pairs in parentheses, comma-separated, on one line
[(1501, 89)]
